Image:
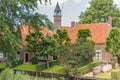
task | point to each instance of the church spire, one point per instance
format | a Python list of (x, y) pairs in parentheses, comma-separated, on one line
[(57, 11), (57, 17)]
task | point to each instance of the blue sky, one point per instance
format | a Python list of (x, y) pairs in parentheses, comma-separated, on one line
[(71, 9)]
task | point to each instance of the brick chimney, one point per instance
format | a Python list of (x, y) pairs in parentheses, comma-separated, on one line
[(72, 24), (110, 21)]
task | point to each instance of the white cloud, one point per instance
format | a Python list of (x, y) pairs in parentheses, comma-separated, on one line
[(88, 5), (117, 2), (77, 1)]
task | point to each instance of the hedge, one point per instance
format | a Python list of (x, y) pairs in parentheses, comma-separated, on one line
[(115, 75), (87, 68), (43, 66)]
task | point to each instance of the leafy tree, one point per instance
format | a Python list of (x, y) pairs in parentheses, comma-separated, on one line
[(12, 14), (33, 42), (62, 37), (113, 42), (87, 48), (84, 34), (77, 54), (48, 47), (99, 11), (9, 45)]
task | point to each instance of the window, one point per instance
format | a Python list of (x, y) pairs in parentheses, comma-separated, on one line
[(98, 54), (1, 55)]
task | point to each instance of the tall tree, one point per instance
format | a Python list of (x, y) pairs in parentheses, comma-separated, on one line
[(77, 54), (99, 11), (62, 37), (113, 42), (83, 34), (12, 14), (48, 47), (33, 42)]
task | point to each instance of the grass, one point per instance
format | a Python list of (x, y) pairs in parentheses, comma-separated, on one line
[(28, 67), (104, 75), (56, 69), (107, 75), (2, 65)]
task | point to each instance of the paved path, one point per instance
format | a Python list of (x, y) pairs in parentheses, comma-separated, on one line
[(104, 68)]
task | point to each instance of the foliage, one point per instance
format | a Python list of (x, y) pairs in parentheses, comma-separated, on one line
[(9, 74), (84, 34), (113, 42), (115, 74), (48, 46), (99, 11), (78, 54), (87, 68), (9, 45), (33, 42), (13, 13), (85, 46), (34, 60), (62, 37)]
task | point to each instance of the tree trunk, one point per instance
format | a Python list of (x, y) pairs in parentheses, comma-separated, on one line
[(47, 64)]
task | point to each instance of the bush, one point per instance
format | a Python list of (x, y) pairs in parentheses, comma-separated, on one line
[(87, 68), (44, 65), (115, 75), (14, 63), (34, 60)]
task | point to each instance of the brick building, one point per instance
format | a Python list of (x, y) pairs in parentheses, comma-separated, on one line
[(99, 32)]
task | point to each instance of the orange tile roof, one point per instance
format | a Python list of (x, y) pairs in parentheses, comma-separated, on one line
[(25, 31), (99, 31)]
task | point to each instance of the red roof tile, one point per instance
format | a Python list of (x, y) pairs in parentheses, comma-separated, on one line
[(25, 31), (99, 31)]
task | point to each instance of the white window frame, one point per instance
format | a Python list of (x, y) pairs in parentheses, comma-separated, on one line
[(1, 55), (98, 55)]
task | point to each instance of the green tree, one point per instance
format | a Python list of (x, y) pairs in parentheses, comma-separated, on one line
[(99, 11), (113, 43), (83, 34), (62, 37), (86, 46), (12, 14), (48, 47), (77, 54), (33, 42)]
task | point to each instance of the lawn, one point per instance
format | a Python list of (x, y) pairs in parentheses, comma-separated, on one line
[(56, 69), (2, 65), (104, 75), (107, 75), (29, 67)]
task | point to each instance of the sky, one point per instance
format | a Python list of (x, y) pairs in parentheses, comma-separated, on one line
[(71, 9)]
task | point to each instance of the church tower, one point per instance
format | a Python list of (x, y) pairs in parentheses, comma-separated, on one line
[(57, 17)]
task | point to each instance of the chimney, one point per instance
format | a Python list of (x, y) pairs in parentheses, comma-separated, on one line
[(72, 24), (110, 20)]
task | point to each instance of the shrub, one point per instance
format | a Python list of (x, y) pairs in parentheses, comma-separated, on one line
[(34, 60), (44, 65), (115, 75), (87, 68)]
